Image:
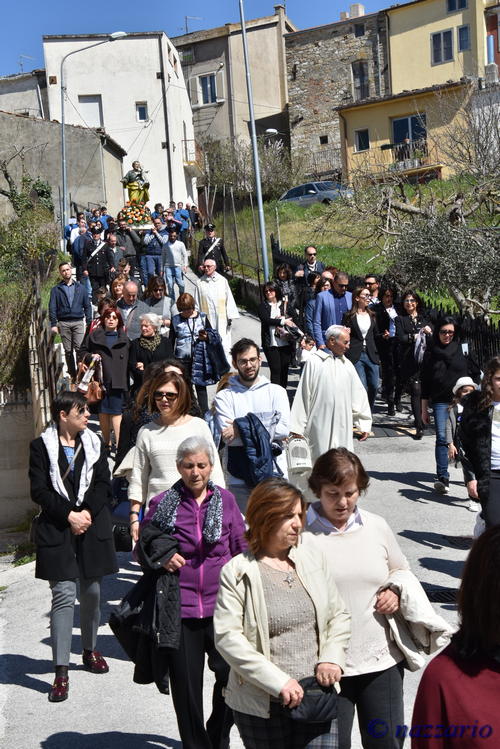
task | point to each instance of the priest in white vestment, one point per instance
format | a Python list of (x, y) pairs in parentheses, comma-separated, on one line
[(217, 301), (330, 398)]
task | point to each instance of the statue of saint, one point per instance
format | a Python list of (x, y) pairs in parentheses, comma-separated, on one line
[(136, 184)]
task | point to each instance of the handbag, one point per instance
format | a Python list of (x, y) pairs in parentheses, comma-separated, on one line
[(298, 455), (124, 470), (319, 704)]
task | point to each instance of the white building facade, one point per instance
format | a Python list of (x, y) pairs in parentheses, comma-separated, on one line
[(134, 89)]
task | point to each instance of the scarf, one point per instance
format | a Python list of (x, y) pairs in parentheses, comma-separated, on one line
[(166, 512), (151, 344), (92, 449)]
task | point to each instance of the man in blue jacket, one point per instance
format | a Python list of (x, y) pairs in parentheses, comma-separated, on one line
[(331, 307), (69, 311)]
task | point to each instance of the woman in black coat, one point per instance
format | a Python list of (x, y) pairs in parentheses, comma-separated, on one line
[(385, 317), (69, 479), (443, 364), (479, 434), (409, 325), (274, 313), (151, 346), (110, 341), (362, 351)]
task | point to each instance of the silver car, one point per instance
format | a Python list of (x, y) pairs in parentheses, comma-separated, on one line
[(316, 192)]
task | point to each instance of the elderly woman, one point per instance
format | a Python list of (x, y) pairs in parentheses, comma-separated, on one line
[(149, 347), (369, 569), (205, 521), (69, 478), (278, 619), (168, 399)]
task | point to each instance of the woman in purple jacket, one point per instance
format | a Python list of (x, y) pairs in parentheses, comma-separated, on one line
[(208, 526)]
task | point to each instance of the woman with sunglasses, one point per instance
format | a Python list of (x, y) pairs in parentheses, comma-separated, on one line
[(168, 399), (363, 352), (409, 325), (443, 364)]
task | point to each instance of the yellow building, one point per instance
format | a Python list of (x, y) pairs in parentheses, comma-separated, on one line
[(437, 41), (406, 134)]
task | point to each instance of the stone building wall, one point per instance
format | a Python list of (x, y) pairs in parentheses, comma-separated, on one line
[(319, 69)]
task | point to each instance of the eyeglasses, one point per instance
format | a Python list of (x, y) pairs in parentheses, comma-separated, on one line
[(245, 362), (409, 299), (270, 291), (160, 396), (447, 332), (311, 254), (343, 285), (364, 296)]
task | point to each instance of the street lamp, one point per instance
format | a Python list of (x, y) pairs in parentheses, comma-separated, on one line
[(253, 134), (110, 38)]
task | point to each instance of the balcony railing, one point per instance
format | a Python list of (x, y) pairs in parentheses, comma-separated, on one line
[(396, 157), (325, 161)]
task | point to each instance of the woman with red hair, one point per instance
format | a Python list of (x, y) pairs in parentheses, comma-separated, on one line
[(110, 341)]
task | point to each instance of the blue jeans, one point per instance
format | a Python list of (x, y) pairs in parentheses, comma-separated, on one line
[(441, 451), (150, 266), (368, 374), (173, 273)]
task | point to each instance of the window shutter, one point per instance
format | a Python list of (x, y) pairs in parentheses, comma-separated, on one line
[(219, 85), (193, 91)]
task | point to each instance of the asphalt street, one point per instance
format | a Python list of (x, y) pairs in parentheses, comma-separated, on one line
[(110, 711)]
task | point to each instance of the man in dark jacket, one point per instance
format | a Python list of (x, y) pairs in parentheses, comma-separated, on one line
[(98, 262), (130, 242), (69, 311), (212, 248)]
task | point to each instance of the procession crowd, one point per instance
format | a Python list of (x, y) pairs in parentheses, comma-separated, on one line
[(303, 602)]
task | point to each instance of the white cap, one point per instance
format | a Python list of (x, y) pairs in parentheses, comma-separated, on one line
[(463, 382)]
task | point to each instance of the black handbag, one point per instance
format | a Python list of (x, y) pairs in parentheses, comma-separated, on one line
[(319, 704)]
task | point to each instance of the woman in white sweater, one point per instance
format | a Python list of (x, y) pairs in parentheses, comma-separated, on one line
[(155, 469), (363, 553)]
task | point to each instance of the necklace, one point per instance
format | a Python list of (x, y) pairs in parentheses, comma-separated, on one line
[(289, 577)]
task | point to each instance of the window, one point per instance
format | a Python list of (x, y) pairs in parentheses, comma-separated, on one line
[(409, 128), (463, 35), (442, 47), (323, 140), (454, 5), (359, 29), (360, 80), (208, 89), (90, 109), (295, 192), (141, 111), (361, 140), (186, 55)]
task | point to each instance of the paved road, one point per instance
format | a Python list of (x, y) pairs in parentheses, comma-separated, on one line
[(109, 711)]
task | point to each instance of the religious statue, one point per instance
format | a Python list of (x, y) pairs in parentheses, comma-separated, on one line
[(136, 184)]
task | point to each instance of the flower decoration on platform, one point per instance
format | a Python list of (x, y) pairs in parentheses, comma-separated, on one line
[(136, 214)]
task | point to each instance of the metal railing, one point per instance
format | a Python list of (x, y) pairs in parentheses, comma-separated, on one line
[(45, 362), (395, 157)]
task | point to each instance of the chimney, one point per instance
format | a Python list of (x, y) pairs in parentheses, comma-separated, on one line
[(344, 15), (356, 10)]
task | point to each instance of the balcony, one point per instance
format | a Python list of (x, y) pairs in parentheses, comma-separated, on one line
[(323, 163), (413, 159), (192, 156)]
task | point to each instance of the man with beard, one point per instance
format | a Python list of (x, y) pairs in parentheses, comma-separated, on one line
[(249, 392)]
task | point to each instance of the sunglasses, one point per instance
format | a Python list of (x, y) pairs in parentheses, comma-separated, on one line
[(446, 332), (311, 254), (170, 397), (343, 285)]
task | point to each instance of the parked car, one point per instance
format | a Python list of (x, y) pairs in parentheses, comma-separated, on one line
[(316, 192)]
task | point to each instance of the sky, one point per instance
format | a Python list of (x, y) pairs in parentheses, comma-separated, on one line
[(26, 22)]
